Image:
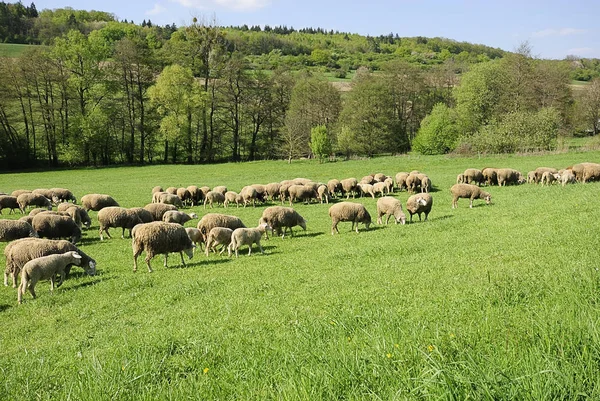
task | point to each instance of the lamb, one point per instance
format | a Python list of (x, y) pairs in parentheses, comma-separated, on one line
[(279, 216), (548, 178), (413, 182), (232, 197), (9, 202), (460, 178), (159, 237), (380, 188), (509, 176), (302, 193), (567, 177), (247, 236), (531, 177), (249, 194), (15, 229), (349, 185), (490, 175), (31, 199), (214, 197), (389, 184), (221, 189), (468, 191), (156, 196), (401, 180), (323, 193), (273, 190), (334, 186), (366, 189), (54, 226), (218, 236), (21, 251), (184, 195), (390, 206), (195, 236), (159, 209), (349, 211), (118, 217), (170, 199), (473, 175), (196, 194), (45, 268), (420, 203), (174, 216), (539, 172), (60, 195), (97, 202), (84, 217), (211, 220)]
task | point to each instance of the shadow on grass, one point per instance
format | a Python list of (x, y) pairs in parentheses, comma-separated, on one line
[(4, 307), (84, 285)]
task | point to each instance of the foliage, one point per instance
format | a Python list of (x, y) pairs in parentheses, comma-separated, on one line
[(320, 142), (589, 107), (439, 132)]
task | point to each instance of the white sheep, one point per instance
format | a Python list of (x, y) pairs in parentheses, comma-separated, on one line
[(46, 268), (247, 236), (389, 207), (157, 238), (468, 191), (349, 211), (218, 236), (175, 216)]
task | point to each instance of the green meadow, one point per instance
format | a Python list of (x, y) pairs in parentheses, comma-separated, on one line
[(497, 302)]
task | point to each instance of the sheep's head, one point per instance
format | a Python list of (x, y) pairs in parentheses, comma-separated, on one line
[(400, 217), (193, 215), (91, 269), (190, 251), (421, 201), (302, 223), (75, 258), (487, 197)]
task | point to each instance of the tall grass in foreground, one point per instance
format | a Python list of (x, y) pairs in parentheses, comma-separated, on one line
[(494, 302)]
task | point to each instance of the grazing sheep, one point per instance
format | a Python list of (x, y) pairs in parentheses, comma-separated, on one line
[(60, 195), (539, 172), (156, 189), (214, 197), (349, 185), (531, 177), (460, 178), (301, 181), (490, 175), (284, 192), (247, 236), (31, 199), (8, 202), (366, 189), (174, 216), (46, 268), (249, 194), (211, 220), (195, 236), (118, 217), (419, 203), (231, 197), (47, 193), (273, 190), (96, 202), (591, 172), (14, 229), (509, 176), (413, 182), (144, 215), (205, 189), (71, 213), (425, 183), (367, 179), (218, 236), (18, 192), (171, 190), (158, 210), (379, 177), (196, 195), (389, 184), (473, 175), (468, 191), (380, 188), (184, 195), (349, 211), (54, 226), (567, 177), (280, 216), (548, 178), (334, 186), (401, 180), (302, 193), (21, 251), (84, 217), (156, 196), (170, 199), (323, 193), (27, 219), (261, 191), (220, 189), (158, 238), (389, 206)]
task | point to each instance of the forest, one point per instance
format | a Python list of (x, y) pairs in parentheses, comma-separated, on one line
[(90, 90)]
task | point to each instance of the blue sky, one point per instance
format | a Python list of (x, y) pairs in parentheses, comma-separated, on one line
[(553, 28)]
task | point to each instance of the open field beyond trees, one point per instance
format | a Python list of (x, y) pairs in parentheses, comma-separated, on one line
[(494, 302)]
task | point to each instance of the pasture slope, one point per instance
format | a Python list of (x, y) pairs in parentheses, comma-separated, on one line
[(494, 302)]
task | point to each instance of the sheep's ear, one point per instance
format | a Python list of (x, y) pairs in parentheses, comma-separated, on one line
[(76, 255)]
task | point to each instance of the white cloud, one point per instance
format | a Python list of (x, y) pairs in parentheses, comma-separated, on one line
[(580, 51), (158, 9), (235, 5), (557, 32)]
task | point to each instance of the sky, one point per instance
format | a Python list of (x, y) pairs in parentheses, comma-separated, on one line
[(553, 28)]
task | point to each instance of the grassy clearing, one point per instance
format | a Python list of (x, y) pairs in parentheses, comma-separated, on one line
[(494, 302), (12, 50)]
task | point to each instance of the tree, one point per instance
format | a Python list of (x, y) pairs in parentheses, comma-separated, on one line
[(439, 132), (320, 142), (589, 106)]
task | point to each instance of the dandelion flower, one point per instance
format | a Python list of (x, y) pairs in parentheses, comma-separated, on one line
[(388, 355), (205, 370), (430, 348)]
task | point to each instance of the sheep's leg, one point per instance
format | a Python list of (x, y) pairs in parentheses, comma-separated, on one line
[(31, 288), (148, 258), (20, 292), (182, 261), (15, 273), (123, 233), (52, 283), (249, 249), (5, 279), (260, 247), (166, 256)]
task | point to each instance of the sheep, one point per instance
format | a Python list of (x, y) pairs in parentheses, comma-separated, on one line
[(349, 185), (413, 182), (490, 175), (171, 190), (247, 236), (84, 217), (531, 177), (349, 211), (210, 220), (419, 203), (31, 199), (261, 191), (548, 178), (18, 192), (468, 191), (45, 268), (389, 184), (47, 193), (379, 188), (509, 176), (156, 189), (323, 193), (71, 213), (214, 197), (15, 229), (174, 216), (389, 206), (21, 251), (379, 177), (96, 202), (401, 180), (218, 236), (334, 186), (278, 217), (28, 219), (367, 179), (425, 183), (159, 237), (302, 193), (196, 195), (9, 202), (144, 215), (195, 236), (221, 189), (366, 189), (567, 177), (54, 226), (301, 181), (60, 195), (231, 197), (460, 178), (249, 194), (472, 175), (539, 172), (184, 195), (118, 217), (156, 196), (591, 172), (170, 199), (204, 191), (159, 209), (273, 190)]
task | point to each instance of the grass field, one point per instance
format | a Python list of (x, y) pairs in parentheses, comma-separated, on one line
[(12, 50), (495, 302)]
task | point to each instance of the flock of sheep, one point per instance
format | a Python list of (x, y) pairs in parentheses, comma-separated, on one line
[(43, 243)]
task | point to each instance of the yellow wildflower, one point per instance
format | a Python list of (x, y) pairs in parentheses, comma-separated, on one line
[(205, 370)]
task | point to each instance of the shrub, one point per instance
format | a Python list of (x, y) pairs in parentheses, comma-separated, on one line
[(438, 133)]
